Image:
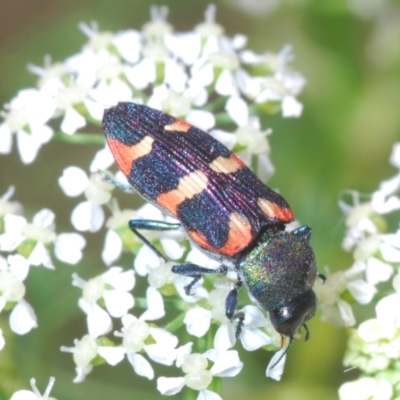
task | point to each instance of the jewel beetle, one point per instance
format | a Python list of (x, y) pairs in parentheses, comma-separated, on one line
[(224, 208)]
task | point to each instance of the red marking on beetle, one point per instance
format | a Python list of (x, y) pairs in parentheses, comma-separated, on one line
[(170, 201), (125, 155), (239, 237), (178, 126)]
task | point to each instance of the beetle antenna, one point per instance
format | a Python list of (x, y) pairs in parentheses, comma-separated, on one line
[(284, 353)]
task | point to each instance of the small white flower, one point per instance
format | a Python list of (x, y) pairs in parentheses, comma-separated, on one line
[(50, 75), (84, 351), (12, 273), (334, 309), (34, 394), (251, 336), (7, 206), (135, 333), (87, 215), (164, 350), (26, 116), (113, 287), (384, 199), (366, 388), (111, 92), (162, 275), (250, 136), (69, 97), (128, 43), (41, 232), (198, 377)]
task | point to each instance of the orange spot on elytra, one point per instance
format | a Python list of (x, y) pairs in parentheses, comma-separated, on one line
[(125, 155), (239, 236), (171, 200), (272, 210), (178, 126)]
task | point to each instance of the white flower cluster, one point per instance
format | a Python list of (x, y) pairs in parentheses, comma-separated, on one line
[(374, 347), (211, 81), (24, 245)]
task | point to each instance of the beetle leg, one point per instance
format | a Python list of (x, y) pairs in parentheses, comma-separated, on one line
[(322, 277), (123, 186), (151, 225), (231, 306), (195, 272)]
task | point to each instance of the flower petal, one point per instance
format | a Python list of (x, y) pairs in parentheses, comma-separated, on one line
[(73, 181), (112, 248), (275, 371), (118, 302), (87, 216), (113, 355), (68, 247), (155, 305), (170, 386), (208, 395), (140, 365), (227, 364), (198, 321), (23, 318)]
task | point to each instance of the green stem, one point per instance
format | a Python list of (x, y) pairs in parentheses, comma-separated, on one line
[(216, 385), (216, 104), (80, 138), (140, 302), (174, 304), (176, 323), (189, 394), (222, 118)]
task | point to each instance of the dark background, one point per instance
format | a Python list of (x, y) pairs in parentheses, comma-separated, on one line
[(343, 140)]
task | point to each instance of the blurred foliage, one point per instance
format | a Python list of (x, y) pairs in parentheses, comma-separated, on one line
[(343, 140)]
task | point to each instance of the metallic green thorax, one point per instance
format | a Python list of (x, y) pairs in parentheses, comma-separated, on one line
[(280, 268)]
